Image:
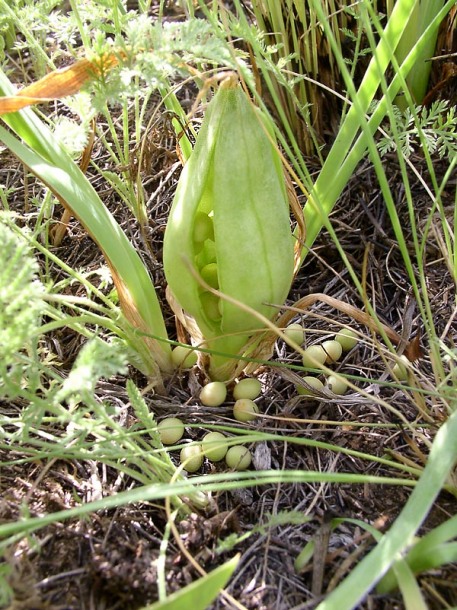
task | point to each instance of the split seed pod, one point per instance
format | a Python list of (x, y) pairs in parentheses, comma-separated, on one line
[(229, 225)]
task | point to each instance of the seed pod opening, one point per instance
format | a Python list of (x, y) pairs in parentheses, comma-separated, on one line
[(229, 225)]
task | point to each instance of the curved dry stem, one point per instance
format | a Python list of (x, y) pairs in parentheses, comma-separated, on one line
[(356, 314), (265, 346)]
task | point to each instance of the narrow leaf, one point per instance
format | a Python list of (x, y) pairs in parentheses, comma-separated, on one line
[(199, 594), (367, 573)]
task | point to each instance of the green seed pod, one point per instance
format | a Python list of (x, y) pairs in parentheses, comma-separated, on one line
[(230, 211)]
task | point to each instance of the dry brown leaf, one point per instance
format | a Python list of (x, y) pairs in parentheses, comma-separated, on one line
[(57, 84)]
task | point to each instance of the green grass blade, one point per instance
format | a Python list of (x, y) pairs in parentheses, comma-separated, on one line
[(179, 122), (204, 483), (343, 156), (439, 535), (418, 78), (431, 551), (432, 558), (409, 587), (199, 594), (367, 573), (347, 151)]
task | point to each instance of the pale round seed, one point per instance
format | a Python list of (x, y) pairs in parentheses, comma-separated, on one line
[(191, 457), (213, 394), (211, 305), (333, 350), (245, 410), (238, 458), (313, 356), (214, 446), (314, 382), (171, 430), (184, 357), (207, 254), (337, 384), (347, 338), (295, 332), (247, 388)]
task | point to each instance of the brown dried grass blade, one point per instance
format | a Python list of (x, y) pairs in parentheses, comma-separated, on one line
[(297, 212), (187, 323)]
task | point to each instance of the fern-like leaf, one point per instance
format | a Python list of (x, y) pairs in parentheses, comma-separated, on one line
[(21, 293)]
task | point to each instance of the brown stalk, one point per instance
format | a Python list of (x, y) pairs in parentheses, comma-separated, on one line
[(61, 228)]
